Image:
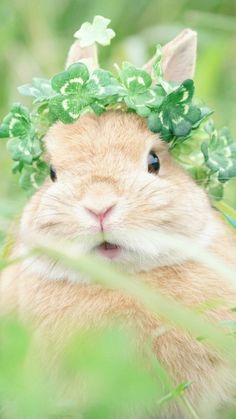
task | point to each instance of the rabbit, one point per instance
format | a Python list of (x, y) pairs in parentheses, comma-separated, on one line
[(113, 181)]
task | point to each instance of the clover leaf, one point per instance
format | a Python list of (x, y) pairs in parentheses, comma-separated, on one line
[(17, 123), (32, 176), (71, 98), (24, 145), (138, 94), (157, 70), (24, 150), (177, 115), (72, 80), (215, 188), (220, 153), (78, 90), (102, 84), (90, 33), (158, 73), (134, 79), (40, 89), (68, 109)]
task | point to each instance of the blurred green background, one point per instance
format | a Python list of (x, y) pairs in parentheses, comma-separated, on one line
[(35, 37)]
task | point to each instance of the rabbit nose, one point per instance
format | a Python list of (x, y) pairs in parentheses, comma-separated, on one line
[(100, 214)]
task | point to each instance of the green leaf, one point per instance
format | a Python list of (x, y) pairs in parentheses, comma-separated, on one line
[(134, 79), (68, 108), (215, 189), (17, 123), (102, 84), (13, 335), (72, 80), (154, 122), (176, 115), (181, 127), (24, 151), (157, 68), (98, 108), (181, 95), (220, 153), (17, 167), (40, 89), (193, 115), (32, 177), (141, 103), (78, 91), (137, 93)]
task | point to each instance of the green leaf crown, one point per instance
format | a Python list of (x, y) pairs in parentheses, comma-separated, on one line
[(169, 109)]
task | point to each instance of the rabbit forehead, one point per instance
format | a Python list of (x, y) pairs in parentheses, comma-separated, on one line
[(92, 135)]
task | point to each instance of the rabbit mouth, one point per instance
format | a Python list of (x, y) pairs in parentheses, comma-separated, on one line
[(108, 250)]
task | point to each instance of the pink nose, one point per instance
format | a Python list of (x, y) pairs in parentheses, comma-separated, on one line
[(100, 215)]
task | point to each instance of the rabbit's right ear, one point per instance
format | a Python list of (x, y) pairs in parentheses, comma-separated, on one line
[(178, 57), (87, 55)]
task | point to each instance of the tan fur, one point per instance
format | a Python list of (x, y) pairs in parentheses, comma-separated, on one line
[(88, 55), (178, 57), (102, 162)]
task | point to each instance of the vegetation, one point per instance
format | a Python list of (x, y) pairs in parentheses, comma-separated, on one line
[(33, 39)]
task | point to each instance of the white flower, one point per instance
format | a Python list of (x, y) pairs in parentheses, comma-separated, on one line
[(90, 33)]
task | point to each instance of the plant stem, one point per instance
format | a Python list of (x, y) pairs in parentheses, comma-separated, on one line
[(190, 408), (225, 208)]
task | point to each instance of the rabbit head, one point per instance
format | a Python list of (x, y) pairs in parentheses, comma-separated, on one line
[(114, 188)]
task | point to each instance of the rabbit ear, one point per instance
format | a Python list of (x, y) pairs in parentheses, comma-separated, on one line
[(88, 55), (178, 57)]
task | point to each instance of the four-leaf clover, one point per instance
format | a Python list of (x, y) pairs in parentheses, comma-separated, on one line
[(220, 153), (17, 123), (138, 93), (72, 97), (177, 115), (24, 145), (77, 90)]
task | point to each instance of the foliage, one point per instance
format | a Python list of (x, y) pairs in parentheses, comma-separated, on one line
[(24, 146), (210, 159), (114, 374), (116, 378), (77, 92), (169, 108), (220, 158), (26, 37)]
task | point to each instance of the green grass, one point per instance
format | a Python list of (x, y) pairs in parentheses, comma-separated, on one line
[(114, 375), (34, 38)]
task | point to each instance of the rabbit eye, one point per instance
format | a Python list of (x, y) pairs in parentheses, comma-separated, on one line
[(153, 163), (53, 173)]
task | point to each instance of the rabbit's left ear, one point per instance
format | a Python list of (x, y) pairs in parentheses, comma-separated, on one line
[(87, 55), (178, 57)]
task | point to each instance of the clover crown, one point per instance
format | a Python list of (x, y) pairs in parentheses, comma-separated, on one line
[(170, 110)]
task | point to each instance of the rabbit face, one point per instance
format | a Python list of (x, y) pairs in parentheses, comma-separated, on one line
[(114, 191), (108, 194)]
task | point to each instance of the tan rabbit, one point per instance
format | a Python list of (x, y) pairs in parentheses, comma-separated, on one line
[(108, 188)]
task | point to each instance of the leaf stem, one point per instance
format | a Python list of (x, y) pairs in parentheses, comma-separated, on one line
[(190, 408), (225, 208)]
